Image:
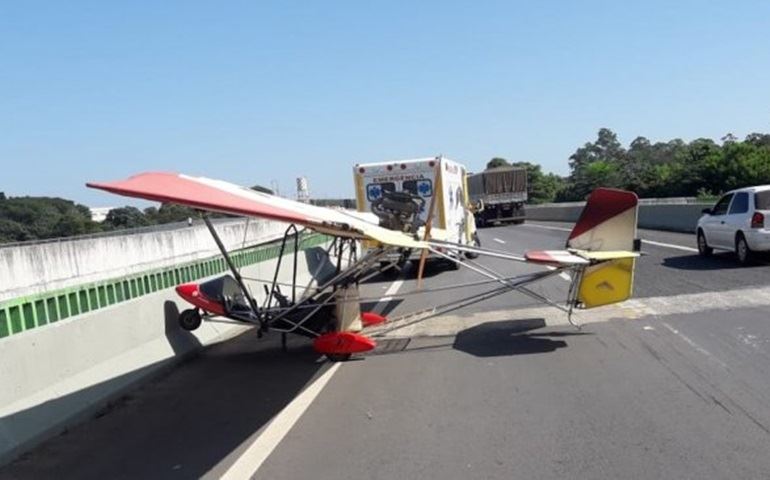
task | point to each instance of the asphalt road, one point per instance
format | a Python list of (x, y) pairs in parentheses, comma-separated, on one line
[(670, 385)]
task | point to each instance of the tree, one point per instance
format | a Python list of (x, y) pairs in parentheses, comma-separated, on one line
[(497, 162), (126, 217), (757, 139), (170, 213), (541, 188), (2, 196), (31, 218), (610, 157)]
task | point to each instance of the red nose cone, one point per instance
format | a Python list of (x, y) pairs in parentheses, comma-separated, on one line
[(188, 291), (335, 343), (371, 318)]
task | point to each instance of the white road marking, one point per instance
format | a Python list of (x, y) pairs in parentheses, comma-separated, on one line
[(547, 227), (499, 241), (562, 275), (693, 344), (650, 242), (388, 296), (260, 449), (670, 245), (256, 454)]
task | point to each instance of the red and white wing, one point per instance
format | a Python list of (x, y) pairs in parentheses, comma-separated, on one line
[(224, 197)]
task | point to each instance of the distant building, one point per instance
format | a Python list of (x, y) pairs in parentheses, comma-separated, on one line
[(99, 214), (303, 191)]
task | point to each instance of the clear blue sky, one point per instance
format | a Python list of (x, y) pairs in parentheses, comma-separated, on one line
[(259, 91)]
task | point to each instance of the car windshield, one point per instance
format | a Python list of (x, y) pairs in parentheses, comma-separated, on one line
[(762, 200)]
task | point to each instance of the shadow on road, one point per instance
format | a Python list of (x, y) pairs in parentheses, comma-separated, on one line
[(409, 271), (181, 341), (721, 261), (509, 337), (182, 424)]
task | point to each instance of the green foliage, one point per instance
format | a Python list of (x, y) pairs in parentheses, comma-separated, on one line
[(29, 218), (668, 169), (541, 188), (260, 188), (125, 217), (497, 162), (169, 213)]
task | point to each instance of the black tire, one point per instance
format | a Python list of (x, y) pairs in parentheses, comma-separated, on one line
[(742, 250), (190, 320), (476, 243), (703, 248)]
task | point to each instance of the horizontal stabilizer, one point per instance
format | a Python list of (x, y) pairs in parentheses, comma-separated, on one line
[(555, 257), (609, 255)]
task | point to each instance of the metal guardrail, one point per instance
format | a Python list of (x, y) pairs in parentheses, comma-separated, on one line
[(343, 202), (127, 231), (642, 201)]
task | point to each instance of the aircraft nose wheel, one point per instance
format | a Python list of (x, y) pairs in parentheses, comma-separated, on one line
[(190, 319)]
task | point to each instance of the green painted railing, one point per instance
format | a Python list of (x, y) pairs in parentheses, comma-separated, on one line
[(25, 313)]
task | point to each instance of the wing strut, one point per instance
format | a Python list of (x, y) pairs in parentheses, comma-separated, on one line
[(235, 272)]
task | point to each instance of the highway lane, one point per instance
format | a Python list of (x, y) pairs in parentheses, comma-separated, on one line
[(679, 395), (671, 386)]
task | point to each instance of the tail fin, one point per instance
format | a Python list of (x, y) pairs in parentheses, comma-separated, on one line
[(607, 224)]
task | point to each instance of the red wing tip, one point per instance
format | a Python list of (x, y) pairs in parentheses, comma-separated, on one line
[(105, 185), (540, 257), (370, 318), (336, 343)]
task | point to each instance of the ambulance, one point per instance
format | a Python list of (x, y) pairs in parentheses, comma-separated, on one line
[(436, 183)]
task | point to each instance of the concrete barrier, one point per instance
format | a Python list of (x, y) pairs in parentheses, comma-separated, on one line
[(68, 350), (677, 216)]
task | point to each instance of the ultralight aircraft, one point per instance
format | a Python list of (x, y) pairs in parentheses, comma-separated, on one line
[(600, 256)]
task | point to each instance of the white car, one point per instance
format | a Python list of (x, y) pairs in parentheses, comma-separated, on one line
[(737, 223)]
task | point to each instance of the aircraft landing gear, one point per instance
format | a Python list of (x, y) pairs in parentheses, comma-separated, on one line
[(190, 319)]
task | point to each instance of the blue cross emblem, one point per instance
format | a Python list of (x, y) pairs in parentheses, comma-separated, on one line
[(425, 188), (373, 191)]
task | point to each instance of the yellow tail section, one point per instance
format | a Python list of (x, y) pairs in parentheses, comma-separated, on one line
[(607, 282)]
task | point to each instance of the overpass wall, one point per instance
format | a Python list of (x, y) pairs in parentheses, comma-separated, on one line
[(83, 320), (678, 217)]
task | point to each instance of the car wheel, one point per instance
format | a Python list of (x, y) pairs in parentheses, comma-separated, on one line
[(742, 250), (703, 248)]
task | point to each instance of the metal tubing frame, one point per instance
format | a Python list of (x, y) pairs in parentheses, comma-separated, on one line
[(269, 299), (233, 269), (489, 273), (358, 266)]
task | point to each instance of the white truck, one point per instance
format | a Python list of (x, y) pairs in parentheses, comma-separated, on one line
[(401, 192)]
